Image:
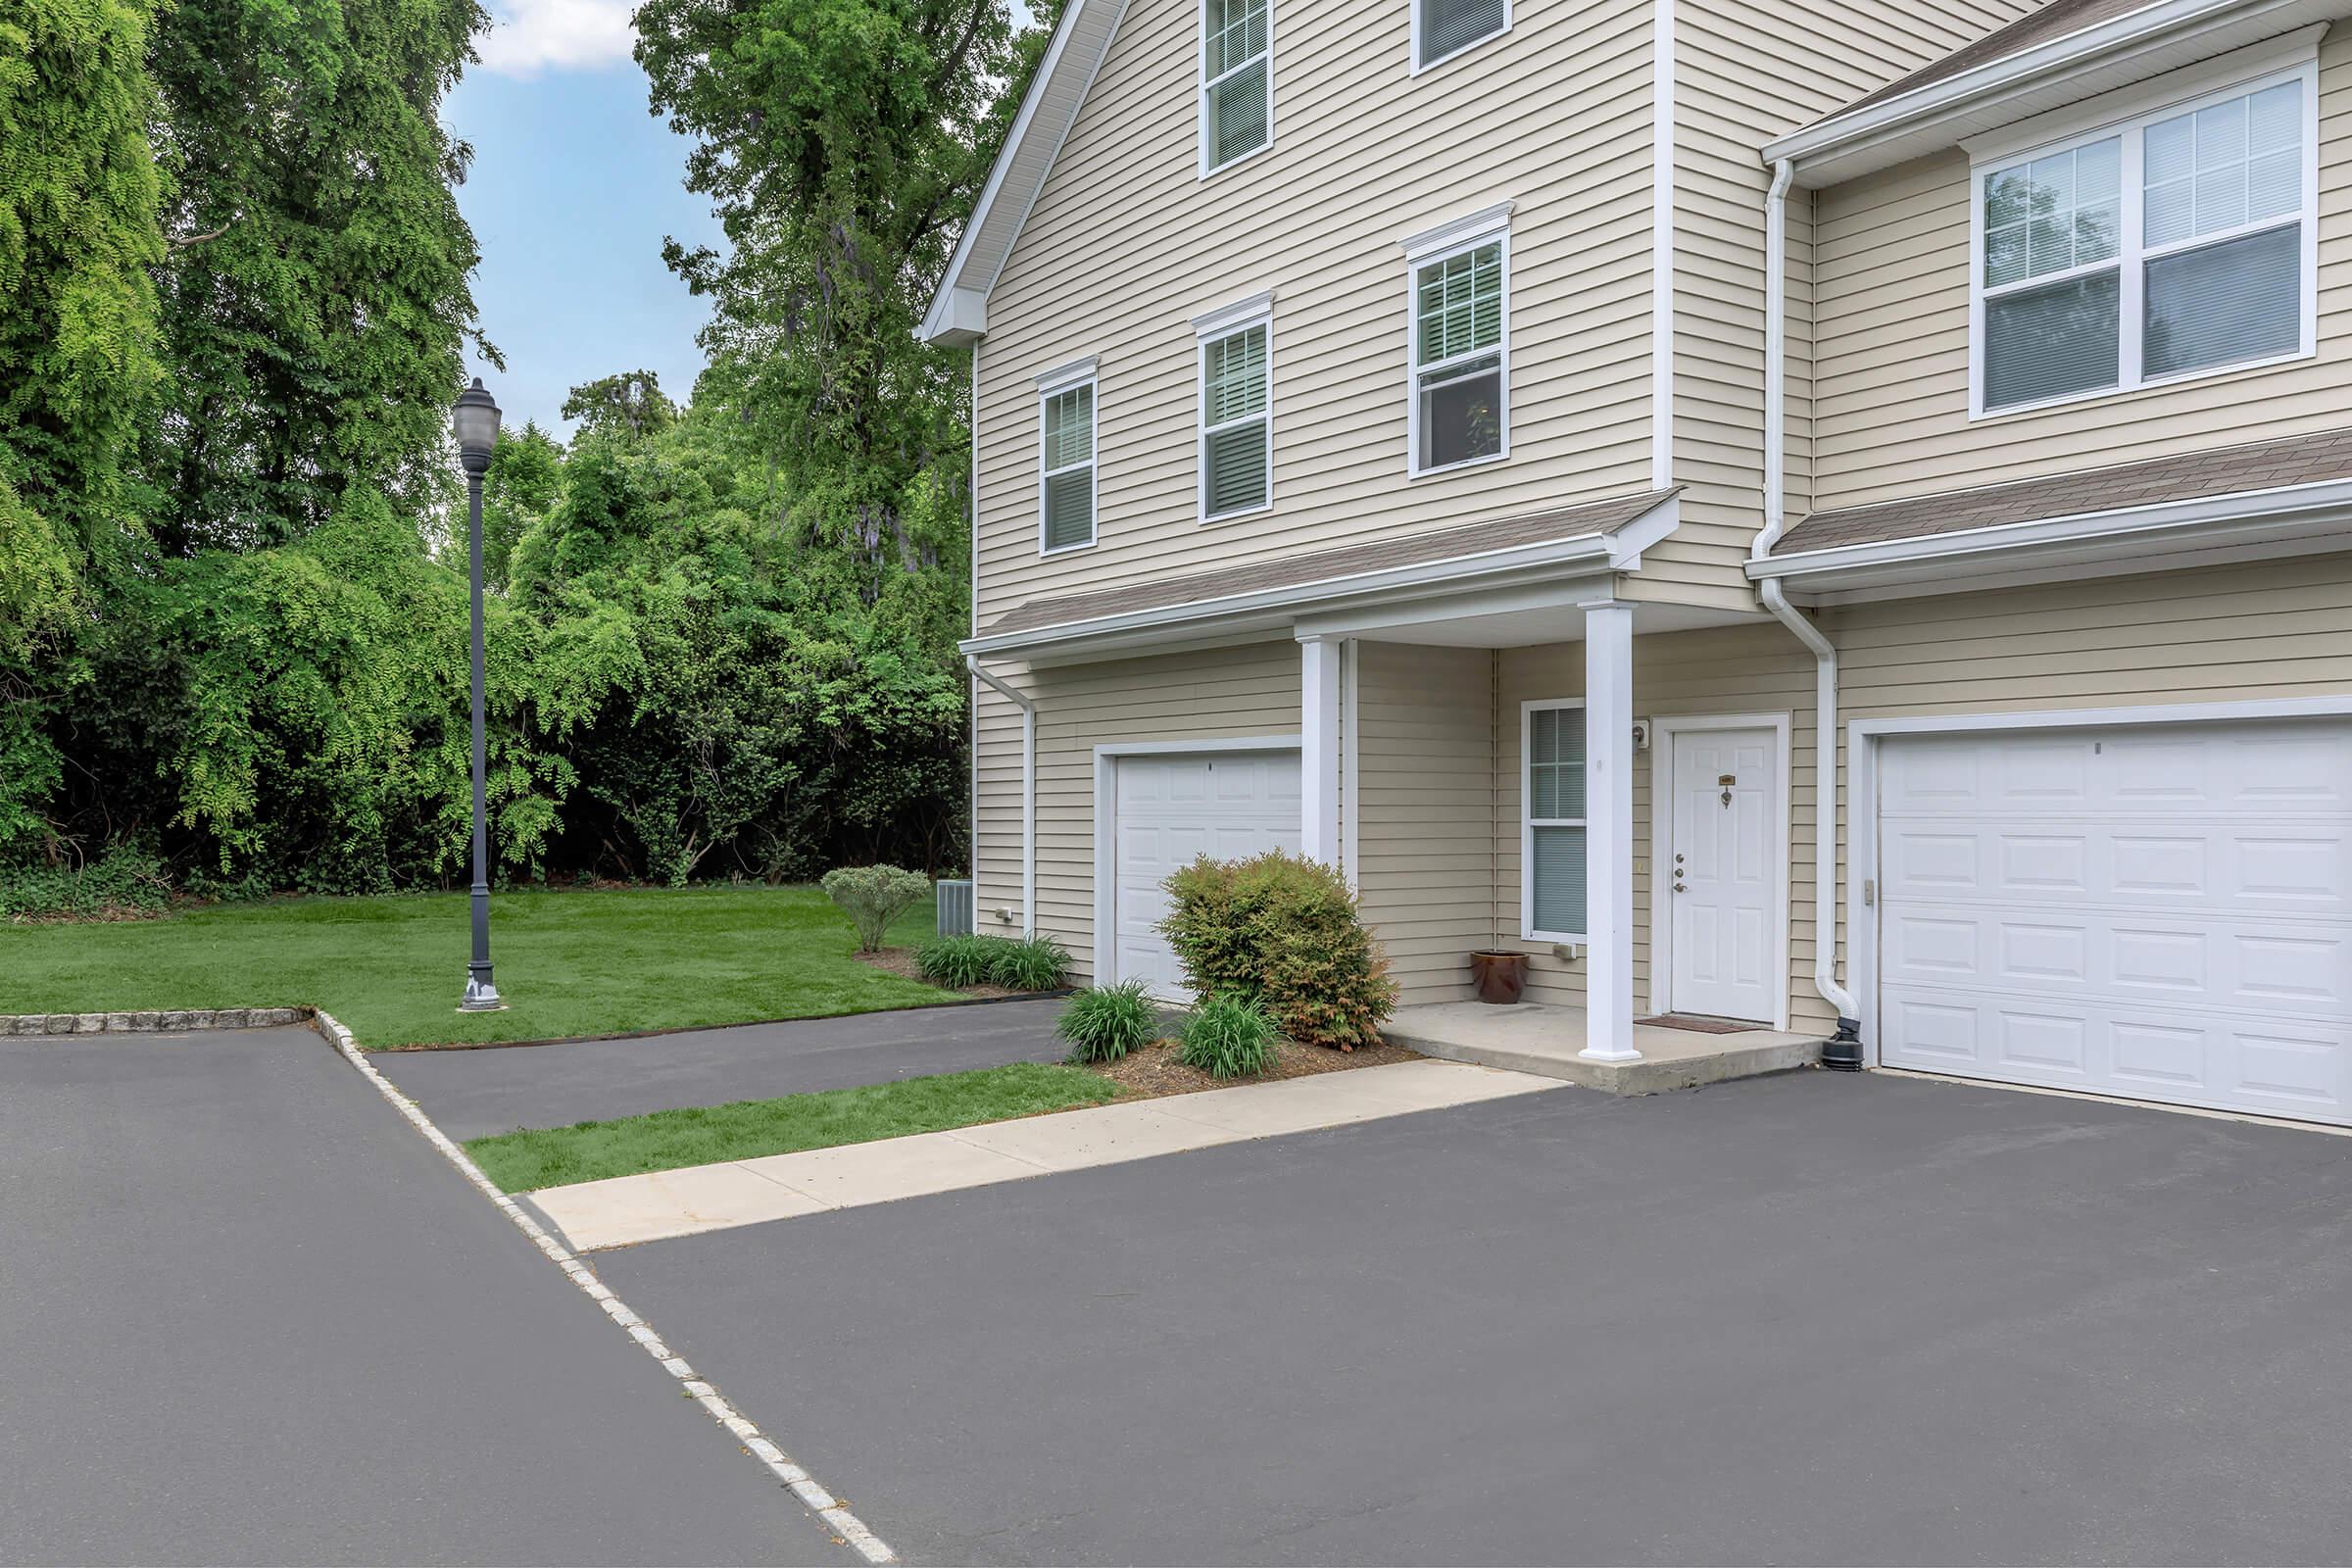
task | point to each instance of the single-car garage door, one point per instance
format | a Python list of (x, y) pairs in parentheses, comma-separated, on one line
[(1170, 811), (2161, 911)]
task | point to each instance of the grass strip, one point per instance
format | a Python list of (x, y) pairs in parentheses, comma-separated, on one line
[(666, 1140)]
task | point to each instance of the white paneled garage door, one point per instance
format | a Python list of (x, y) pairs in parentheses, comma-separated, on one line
[(2162, 912), (1172, 809)]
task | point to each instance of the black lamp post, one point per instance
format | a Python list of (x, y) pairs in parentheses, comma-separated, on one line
[(476, 421)]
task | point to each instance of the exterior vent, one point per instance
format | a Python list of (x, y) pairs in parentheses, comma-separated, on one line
[(956, 909)]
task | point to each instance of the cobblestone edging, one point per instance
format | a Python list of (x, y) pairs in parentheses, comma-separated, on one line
[(150, 1023)]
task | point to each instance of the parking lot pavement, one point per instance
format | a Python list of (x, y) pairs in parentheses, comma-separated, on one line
[(1806, 1319), (253, 1317), (472, 1094)]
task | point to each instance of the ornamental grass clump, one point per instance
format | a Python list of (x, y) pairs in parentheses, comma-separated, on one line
[(958, 960), (1284, 933), (1107, 1022), (1033, 963), (873, 895), (1228, 1036)]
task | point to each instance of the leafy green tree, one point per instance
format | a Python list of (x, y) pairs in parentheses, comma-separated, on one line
[(629, 404), (316, 306), (523, 484)]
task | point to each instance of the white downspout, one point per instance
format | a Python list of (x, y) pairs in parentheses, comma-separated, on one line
[(1028, 709), (1825, 654)]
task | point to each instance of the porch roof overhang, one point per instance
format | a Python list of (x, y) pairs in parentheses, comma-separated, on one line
[(2106, 523), (2067, 51), (1550, 559)]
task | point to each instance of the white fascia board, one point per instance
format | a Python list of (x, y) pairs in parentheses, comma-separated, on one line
[(1270, 609), (2130, 532), (1946, 110), (950, 320)]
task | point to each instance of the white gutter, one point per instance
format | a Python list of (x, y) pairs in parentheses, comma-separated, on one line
[(1028, 707), (1825, 654)]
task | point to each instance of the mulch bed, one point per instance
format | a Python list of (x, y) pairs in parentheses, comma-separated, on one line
[(1154, 1071), (901, 962)]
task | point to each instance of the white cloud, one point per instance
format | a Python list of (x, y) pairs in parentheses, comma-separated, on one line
[(532, 35)]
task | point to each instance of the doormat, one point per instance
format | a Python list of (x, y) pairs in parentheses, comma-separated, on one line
[(1700, 1026)]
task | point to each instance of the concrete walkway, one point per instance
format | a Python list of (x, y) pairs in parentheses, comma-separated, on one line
[(627, 1209), (473, 1094), (1543, 1037)]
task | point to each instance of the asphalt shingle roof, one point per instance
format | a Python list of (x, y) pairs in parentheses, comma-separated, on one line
[(2053, 21)]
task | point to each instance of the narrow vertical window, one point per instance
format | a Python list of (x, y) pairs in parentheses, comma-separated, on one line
[(1461, 374), (1237, 446), (1237, 87), (1442, 28), (1552, 848), (1067, 481)]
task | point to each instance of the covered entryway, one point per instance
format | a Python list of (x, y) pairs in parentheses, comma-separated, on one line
[(1720, 811), (1166, 807), (2162, 912)]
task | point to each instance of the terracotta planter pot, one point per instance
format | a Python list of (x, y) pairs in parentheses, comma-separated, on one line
[(1501, 976)]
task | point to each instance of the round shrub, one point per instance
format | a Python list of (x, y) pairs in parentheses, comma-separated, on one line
[(1285, 933), (1107, 1022), (1228, 1036), (873, 895), (1033, 963), (958, 960)]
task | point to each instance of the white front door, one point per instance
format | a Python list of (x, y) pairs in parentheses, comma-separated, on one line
[(1722, 878), (2162, 912), (1170, 811)]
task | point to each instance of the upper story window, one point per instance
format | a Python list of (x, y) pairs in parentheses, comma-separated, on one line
[(1462, 352), (1065, 482), (1443, 28), (1237, 436), (1237, 81), (2177, 244)]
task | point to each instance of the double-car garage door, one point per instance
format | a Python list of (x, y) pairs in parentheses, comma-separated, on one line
[(2161, 911), (1169, 810)]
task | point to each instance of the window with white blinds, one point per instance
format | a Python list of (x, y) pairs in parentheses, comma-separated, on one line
[(1237, 81), (1552, 832), (2176, 243), (1442, 28), (1066, 469), (1461, 368), (1237, 438)]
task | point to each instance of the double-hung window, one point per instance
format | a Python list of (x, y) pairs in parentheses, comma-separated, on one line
[(1066, 483), (1443, 28), (1461, 354), (1237, 80), (1237, 437), (2174, 244), (1552, 839)]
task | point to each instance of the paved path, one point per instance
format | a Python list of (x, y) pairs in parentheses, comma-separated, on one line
[(472, 1094), (623, 1210), (1807, 1319), (250, 1316)]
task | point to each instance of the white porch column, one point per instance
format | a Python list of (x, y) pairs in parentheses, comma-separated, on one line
[(1320, 748), (1609, 832)]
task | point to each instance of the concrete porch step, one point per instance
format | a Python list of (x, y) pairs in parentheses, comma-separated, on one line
[(1534, 1038)]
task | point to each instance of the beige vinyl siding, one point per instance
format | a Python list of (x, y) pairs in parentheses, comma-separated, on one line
[(1425, 845), (1746, 72), (1249, 690), (1126, 245), (1892, 270)]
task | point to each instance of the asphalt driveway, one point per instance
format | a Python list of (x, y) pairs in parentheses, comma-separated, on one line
[(252, 1317), (473, 1094), (1808, 1319)]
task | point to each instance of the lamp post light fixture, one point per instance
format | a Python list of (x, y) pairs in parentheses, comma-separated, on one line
[(476, 421)]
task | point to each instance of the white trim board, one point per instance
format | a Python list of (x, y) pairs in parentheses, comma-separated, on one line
[(1106, 825), (1664, 730), (1861, 816)]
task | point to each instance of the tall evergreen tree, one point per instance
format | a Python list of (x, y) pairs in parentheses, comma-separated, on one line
[(318, 303)]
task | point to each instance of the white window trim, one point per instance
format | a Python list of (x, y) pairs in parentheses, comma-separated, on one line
[(1214, 328), (1490, 226), (1050, 385), (1412, 44), (1528, 823), (2133, 256), (1204, 168)]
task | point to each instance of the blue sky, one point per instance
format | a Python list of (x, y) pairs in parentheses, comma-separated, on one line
[(574, 188)]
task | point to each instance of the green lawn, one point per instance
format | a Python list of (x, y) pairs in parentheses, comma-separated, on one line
[(666, 1140), (392, 968)]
